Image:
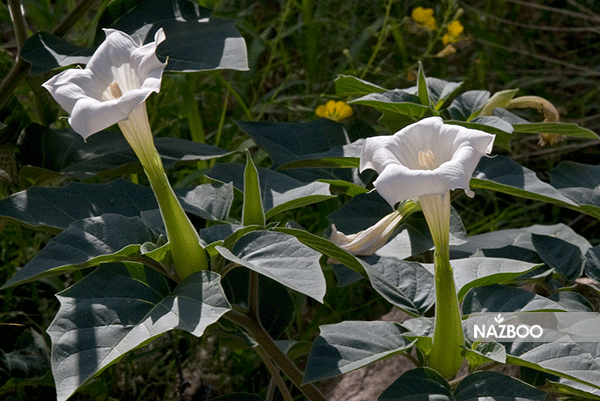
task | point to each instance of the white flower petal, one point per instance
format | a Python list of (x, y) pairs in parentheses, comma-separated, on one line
[(85, 93), (425, 158)]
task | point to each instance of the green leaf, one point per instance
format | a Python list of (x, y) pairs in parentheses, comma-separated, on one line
[(498, 298), (278, 191), (425, 384), (209, 201), (482, 353), (195, 40), (422, 90), (561, 358), (571, 388), (568, 129), (407, 285), (85, 243), (287, 142), (491, 124), (479, 272), (276, 305), (572, 301), (345, 156), (106, 152), (347, 85), (504, 175), (521, 238), (396, 101), (46, 52), (422, 384), (440, 91), (326, 247), (282, 258), (349, 345), (117, 309), (578, 182), (468, 105), (565, 258), (495, 386), (54, 209), (29, 359), (252, 209), (592, 263)]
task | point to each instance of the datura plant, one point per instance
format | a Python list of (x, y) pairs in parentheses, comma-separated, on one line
[(251, 240)]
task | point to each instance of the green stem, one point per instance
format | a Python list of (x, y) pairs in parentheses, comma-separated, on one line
[(270, 348), (275, 374), (448, 337)]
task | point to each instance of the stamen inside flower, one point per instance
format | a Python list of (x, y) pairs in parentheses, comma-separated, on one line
[(426, 159), (115, 90)]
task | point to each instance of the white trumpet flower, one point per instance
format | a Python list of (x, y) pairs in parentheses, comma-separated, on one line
[(426, 160)]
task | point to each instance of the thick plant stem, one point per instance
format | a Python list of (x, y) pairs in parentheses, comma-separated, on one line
[(279, 358), (448, 337)]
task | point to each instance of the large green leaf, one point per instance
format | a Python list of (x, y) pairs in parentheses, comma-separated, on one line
[(326, 247), (498, 298), (106, 152), (287, 142), (568, 129), (346, 346), (195, 40), (347, 85), (278, 191), (45, 52), (408, 285), (396, 101), (440, 91), (504, 175), (425, 384), (521, 238), (478, 272), (345, 156), (29, 359), (468, 105), (562, 256), (282, 258), (117, 309), (87, 242), (53, 209), (578, 182)]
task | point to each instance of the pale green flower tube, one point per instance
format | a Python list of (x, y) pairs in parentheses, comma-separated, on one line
[(113, 88)]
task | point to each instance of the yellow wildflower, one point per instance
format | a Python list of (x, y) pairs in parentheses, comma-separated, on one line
[(333, 110), (454, 29), (424, 17)]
